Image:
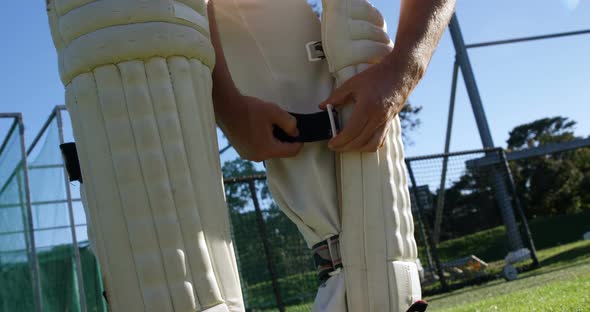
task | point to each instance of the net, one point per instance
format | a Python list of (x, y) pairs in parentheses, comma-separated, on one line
[(41, 259), (16, 252)]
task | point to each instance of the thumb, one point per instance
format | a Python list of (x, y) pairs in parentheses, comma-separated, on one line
[(285, 121), (338, 96)]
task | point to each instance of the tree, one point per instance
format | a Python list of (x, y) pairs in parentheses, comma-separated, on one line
[(547, 185), (238, 195), (551, 184), (469, 205), (541, 131), (409, 120)]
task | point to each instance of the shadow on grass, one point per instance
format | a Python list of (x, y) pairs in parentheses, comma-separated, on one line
[(568, 256)]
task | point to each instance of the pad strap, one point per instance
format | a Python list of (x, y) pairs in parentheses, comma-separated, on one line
[(71, 161), (326, 256), (312, 128), (418, 306)]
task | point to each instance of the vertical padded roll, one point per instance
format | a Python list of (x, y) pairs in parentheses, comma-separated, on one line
[(208, 189), (97, 237), (377, 243), (199, 262), (138, 89), (101, 188), (217, 216)]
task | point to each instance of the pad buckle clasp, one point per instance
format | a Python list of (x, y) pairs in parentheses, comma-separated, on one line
[(315, 51)]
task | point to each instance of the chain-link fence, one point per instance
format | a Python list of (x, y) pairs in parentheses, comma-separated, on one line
[(469, 244), (470, 211), (275, 264), (470, 225)]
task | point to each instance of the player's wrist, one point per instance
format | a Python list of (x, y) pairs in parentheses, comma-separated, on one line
[(409, 62), (228, 108)]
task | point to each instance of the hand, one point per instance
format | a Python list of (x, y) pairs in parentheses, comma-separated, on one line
[(249, 125), (379, 94)]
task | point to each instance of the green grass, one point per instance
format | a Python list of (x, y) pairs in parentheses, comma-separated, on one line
[(561, 284)]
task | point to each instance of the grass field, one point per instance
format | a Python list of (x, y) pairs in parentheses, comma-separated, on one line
[(561, 284)]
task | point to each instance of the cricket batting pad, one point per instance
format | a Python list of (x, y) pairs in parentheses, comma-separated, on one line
[(377, 241), (138, 85)]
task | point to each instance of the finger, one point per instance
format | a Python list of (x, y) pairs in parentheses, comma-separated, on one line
[(367, 134), (376, 142), (284, 150), (372, 145), (284, 120), (339, 96), (385, 135), (352, 129)]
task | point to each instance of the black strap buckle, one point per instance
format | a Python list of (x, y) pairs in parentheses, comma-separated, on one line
[(315, 51), (312, 128), (71, 161)]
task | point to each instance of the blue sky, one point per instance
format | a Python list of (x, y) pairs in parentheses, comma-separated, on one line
[(518, 83)]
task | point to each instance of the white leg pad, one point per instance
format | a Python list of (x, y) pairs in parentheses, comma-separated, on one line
[(404, 283), (144, 126), (377, 226), (218, 308), (403, 280)]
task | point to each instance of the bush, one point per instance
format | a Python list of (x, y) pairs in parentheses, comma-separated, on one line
[(492, 245)]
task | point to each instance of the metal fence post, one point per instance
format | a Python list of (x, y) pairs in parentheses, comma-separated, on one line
[(77, 260), (422, 231), (519, 210), (429, 240), (29, 224), (440, 202), (266, 246), (462, 59)]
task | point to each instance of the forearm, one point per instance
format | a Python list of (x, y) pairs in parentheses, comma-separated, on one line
[(224, 89), (421, 25)]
